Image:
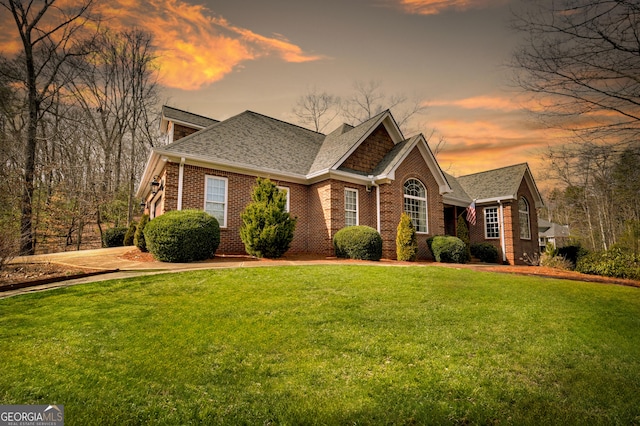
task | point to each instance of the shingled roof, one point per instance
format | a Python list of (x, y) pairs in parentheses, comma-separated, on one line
[(252, 140), (184, 117)]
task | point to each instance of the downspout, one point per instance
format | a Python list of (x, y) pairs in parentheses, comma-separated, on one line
[(180, 182), (502, 239), (373, 183)]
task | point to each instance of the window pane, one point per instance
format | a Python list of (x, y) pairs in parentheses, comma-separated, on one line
[(350, 207), (215, 201), (415, 204), (492, 226)]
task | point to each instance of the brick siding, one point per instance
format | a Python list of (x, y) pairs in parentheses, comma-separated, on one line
[(370, 152)]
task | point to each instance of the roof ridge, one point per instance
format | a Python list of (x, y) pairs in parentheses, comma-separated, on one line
[(189, 112), (281, 121), (494, 170)]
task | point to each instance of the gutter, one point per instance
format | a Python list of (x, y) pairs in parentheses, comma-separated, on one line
[(373, 183), (180, 182), (502, 239)]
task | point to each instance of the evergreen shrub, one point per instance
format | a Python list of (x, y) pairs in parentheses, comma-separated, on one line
[(486, 252), (448, 249), (114, 237), (267, 228), (358, 242), (616, 262), (138, 238), (406, 240), (130, 234), (183, 236)]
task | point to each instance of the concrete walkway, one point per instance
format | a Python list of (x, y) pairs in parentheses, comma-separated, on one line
[(116, 266)]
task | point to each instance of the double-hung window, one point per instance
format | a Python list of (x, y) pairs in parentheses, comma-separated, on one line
[(350, 207), (415, 204), (491, 223), (215, 198)]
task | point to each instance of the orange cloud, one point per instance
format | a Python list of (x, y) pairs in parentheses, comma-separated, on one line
[(194, 47), (434, 7)]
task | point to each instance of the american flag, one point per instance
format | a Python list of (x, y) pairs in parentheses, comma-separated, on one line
[(471, 213)]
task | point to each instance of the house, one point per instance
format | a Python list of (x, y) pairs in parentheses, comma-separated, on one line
[(363, 175), (552, 233)]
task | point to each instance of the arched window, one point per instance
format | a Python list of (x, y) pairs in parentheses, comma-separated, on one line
[(525, 223), (415, 204)]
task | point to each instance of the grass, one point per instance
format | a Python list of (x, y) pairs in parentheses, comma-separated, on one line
[(326, 345)]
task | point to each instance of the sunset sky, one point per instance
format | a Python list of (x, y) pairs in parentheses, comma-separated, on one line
[(222, 57)]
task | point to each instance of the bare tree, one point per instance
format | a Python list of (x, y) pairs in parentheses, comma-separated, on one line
[(49, 36), (366, 101), (318, 109), (581, 61), (369, 99)]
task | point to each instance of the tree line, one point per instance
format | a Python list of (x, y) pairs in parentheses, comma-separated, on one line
[(76, 105)]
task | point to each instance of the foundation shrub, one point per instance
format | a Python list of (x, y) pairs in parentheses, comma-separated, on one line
[(358, 242), (448, 249), (486, 252), (182, 236), (406, 240)]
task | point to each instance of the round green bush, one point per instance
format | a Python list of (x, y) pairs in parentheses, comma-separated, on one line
[(114, 237), (183, 236), (486, 252), (449, 249), (358, 242), (138, 238)]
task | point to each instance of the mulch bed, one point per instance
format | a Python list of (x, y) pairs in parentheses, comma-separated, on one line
[(27, 274)]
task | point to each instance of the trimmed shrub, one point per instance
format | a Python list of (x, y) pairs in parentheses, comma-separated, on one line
[(183, 236), (616, 262), (406, 240), (486, 252), (138, 238), (358, 242), (131, 232), (267, 228), (430, 243), (462, 232), (114, 237), (449, 249)]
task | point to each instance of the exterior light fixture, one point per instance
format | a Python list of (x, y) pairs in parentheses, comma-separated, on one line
[(155, 185)]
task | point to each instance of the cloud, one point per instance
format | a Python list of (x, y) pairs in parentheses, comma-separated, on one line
[(434, 7), (195, 48)]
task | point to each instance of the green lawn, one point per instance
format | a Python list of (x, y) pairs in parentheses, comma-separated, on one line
[(340, 344)]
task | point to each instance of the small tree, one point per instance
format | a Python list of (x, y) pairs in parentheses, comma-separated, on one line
[(406, 239), (462, 232), (138, 238), (267, 228)]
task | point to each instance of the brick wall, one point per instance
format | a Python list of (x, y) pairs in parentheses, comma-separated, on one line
[(370, 152), (392, 205), (515, 247), (180, 131)]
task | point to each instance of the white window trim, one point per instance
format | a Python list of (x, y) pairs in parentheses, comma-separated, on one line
[(226, 195), (357, 210), (288, 192), (486, 236), (528, 215), (426, 204)]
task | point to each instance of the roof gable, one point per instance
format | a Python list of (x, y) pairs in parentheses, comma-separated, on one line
[(342, 142), (185, 118), (502, 183)]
